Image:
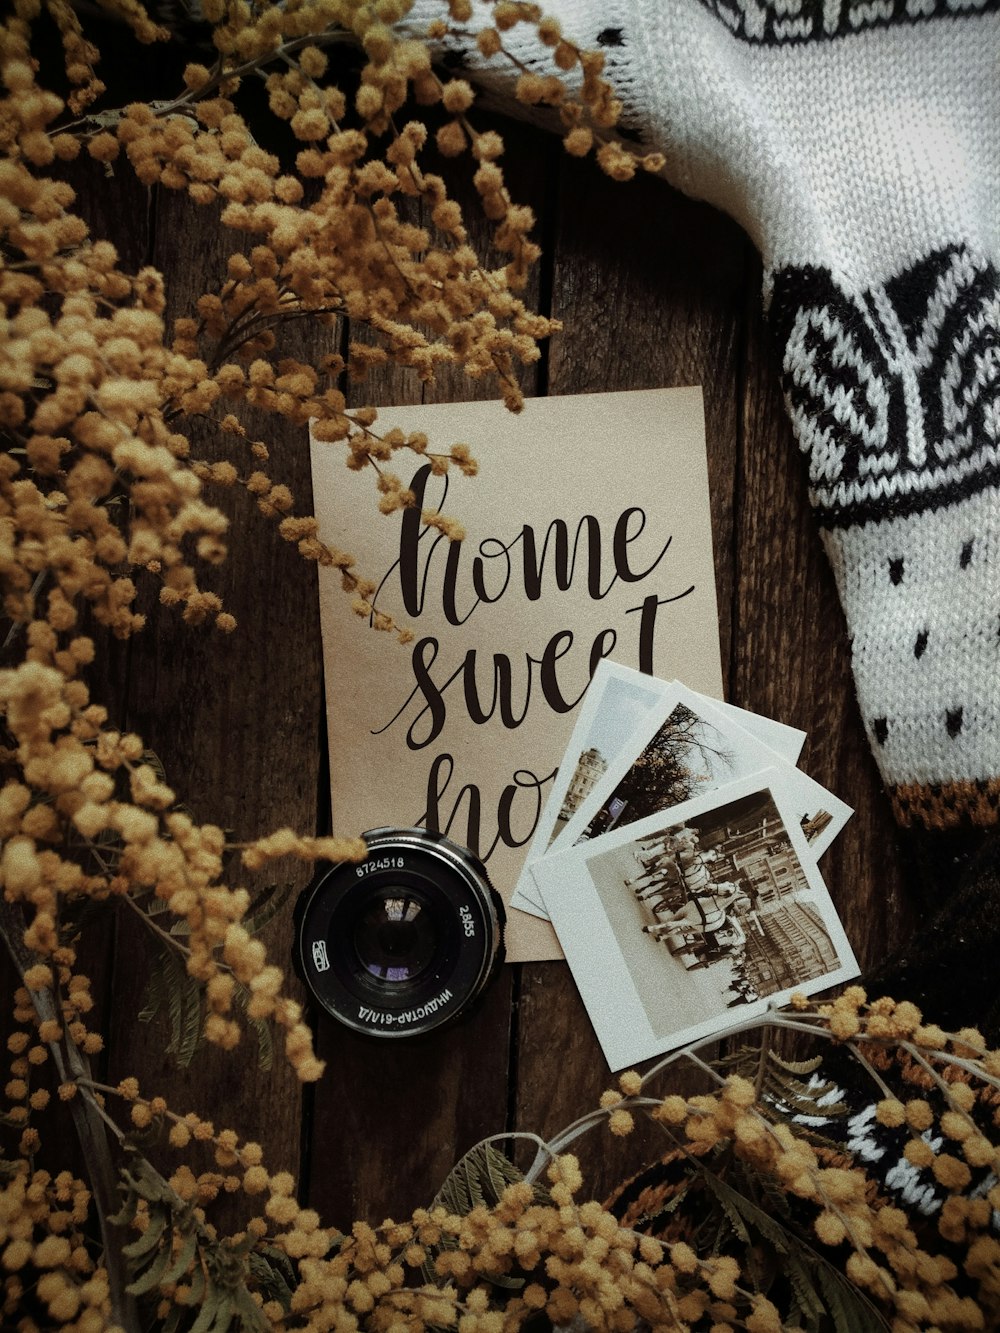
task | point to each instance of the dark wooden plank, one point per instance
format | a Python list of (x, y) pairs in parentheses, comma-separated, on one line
[(792, 660), (390, 1119), (650, 287), (400, 1115), (235, 718)]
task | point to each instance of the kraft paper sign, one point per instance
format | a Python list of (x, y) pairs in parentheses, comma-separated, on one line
[(588, 536)]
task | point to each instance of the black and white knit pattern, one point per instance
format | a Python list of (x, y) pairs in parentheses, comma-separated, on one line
[(775, 21), (880, 1150), (858, 144), (665, 1199), (852, 1127), (894, 392), (894, 395)]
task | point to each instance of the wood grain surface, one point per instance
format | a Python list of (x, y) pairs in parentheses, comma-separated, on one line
[(652, 290)]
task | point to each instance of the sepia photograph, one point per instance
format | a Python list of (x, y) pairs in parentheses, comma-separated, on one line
[(687, 755), (698, 745), (616, 701), (712, 914), (623, 703), (685, 748)]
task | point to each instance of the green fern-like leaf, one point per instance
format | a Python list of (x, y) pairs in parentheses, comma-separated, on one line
[(848, 1307), (184, 1004), (260, 1029), (150, 1278), (266, 906), (149, 1240), (820, 1293), (732, 1205), (212, 1311), (799, 1067), (156, 989), (273, 1275), (807, 1308), (480, 1177), (170, 984), (767, 1192), (172, 1323), (177, 1246), (154, 761), (790, 1086)]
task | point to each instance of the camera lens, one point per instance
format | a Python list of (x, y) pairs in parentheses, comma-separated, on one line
[(395, 937), (403, 941)]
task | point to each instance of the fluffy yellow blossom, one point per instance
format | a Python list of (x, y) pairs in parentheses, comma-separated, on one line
[(673, 1109), (919, 1115), (630, 1083), (891, 1112), (620, 1122)]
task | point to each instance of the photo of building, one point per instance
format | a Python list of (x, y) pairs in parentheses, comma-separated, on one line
[(590, 768)]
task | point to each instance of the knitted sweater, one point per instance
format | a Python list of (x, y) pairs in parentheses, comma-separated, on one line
[(858, 143)]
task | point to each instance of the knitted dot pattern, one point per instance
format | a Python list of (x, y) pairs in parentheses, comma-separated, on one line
[(923, 603), (894, 395)]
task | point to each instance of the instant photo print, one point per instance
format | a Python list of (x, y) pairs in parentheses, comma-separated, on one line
[(617, 701), (683, 746), (690, 921)]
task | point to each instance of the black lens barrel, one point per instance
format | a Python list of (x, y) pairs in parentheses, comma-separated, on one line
[(404, 941)]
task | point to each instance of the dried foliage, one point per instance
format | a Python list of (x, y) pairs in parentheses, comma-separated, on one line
[(102, 489)]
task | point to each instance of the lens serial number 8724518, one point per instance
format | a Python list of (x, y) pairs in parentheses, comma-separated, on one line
[(380, 863)]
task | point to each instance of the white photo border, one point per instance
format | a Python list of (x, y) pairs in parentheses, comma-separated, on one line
[(594, 952)]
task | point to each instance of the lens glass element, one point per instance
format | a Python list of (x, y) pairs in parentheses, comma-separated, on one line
[(404, 941), (395, 936)]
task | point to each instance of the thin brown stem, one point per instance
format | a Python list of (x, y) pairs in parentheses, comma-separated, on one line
[(88, 1120)]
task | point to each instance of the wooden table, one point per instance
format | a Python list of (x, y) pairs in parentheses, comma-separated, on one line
[(653, 290)]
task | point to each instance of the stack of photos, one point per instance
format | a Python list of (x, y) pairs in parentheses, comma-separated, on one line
[(677, 861)]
